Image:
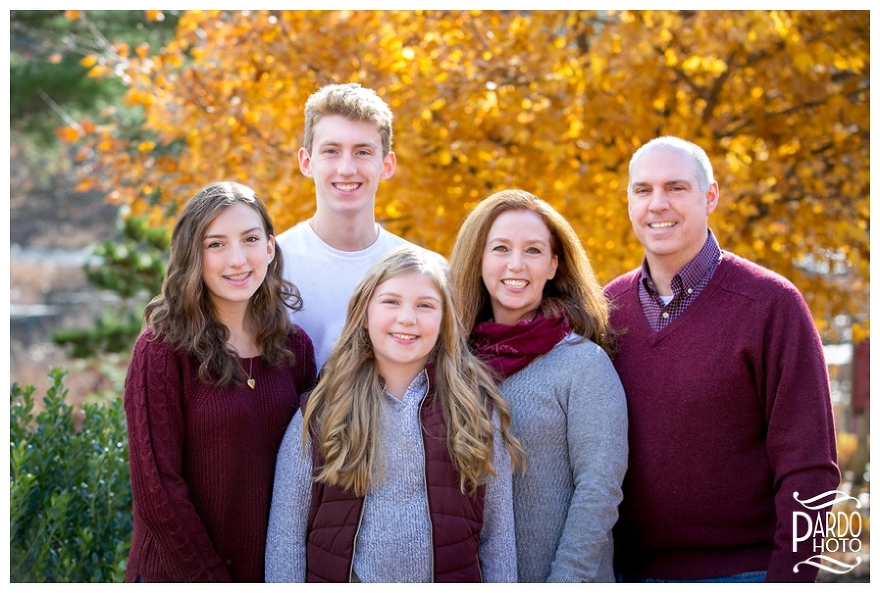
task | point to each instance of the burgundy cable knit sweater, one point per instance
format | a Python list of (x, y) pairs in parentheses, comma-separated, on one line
[(729, 415), (203, 462)]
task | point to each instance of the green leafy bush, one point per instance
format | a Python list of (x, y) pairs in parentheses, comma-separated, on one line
[(70, 495)]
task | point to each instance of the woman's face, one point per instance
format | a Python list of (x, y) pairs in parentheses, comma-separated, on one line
[(517, 263), (236, 252)]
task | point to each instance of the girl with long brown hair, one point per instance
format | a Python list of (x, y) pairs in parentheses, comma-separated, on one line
[(399, 469), (213, 383)]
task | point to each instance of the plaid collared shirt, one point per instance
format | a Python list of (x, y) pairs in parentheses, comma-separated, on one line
[(686, 285)]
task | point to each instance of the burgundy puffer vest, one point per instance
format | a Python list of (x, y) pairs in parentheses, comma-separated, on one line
[(456, 518)]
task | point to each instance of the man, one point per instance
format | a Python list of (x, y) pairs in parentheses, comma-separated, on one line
[(727, 393), (347, 151)]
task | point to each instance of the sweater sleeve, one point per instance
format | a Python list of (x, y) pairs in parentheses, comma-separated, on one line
[(304, 352), (497, 539), (801, 441), (288, 517), (597, 449), (154, 393)]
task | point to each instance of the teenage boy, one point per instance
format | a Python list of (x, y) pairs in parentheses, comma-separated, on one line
[(347, 151)]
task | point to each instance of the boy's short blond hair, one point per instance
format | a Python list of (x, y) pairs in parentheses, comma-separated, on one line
[(352, 101)]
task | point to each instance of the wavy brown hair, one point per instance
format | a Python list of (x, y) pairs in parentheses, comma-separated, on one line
[(183, 315), (574, 291), (344, 409)]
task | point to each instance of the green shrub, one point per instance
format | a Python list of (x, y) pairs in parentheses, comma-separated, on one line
[(70, 495)]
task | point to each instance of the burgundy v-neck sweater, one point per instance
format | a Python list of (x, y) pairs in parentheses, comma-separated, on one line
[(203, 462), (729, 415)]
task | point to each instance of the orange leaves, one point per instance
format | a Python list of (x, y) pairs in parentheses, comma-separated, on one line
[(85, 185), (553, 102), (68, 134)]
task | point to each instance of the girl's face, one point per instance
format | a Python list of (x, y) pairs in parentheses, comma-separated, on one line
[(403, 319), (517, 263), (235, 255)]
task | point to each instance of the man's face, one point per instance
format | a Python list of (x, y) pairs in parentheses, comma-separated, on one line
[(346, 163), (668, 211)]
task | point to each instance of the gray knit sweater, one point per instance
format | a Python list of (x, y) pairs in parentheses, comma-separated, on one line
[(394, 538), (569, 411)]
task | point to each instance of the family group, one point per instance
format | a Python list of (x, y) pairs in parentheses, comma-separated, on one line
[(332, 403)]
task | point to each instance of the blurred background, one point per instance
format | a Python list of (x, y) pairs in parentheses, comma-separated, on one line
[(116, 117)]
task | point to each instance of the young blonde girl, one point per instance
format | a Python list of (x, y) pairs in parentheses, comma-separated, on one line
[(399, 469)]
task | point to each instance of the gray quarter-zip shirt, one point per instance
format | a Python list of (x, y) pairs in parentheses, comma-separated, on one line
[(393, 543)]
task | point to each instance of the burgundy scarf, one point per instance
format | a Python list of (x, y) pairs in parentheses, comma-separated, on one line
[(508, 349)]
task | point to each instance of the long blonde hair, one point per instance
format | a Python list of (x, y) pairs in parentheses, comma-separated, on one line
[(343, 411), (573, 292)]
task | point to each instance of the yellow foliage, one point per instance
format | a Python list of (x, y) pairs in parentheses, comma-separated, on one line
[(98, 70), (554, 102)]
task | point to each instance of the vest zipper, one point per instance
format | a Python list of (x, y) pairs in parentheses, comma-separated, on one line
[(425, 474), (354, 543)]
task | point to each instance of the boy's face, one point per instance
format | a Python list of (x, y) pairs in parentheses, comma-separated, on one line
[(346, 163)]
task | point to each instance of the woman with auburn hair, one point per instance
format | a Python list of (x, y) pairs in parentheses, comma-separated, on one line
[(214, 380), (399, 467), (537, 316)]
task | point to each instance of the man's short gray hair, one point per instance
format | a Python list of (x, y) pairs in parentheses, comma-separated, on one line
[(703, 166)]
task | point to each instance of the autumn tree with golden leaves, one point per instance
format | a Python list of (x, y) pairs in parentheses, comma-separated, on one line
[(553, 102)]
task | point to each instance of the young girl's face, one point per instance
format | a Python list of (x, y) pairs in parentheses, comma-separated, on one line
[(235, 255), (403, 318)]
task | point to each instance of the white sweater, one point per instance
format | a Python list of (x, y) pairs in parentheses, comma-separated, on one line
[(326, 278)]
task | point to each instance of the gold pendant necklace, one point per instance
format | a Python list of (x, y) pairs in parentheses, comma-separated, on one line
[(251, 381)]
